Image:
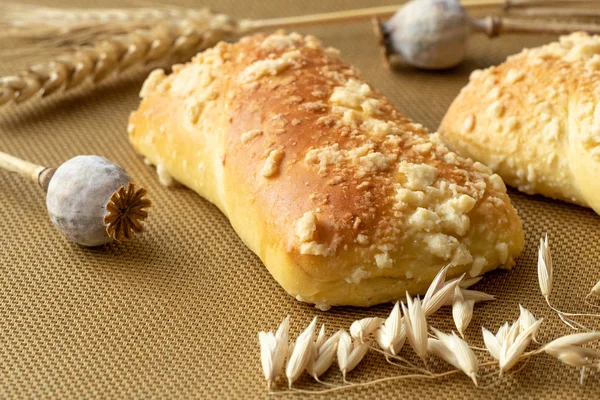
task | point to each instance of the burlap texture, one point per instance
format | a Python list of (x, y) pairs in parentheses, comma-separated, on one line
[(176, 313)]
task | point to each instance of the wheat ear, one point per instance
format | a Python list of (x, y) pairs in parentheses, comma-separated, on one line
[(167, 42)]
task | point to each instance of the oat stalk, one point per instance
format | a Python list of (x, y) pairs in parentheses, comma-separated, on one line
[(545, 278)]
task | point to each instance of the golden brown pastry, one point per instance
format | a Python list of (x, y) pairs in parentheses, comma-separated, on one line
[(535, 120), (345, 200)]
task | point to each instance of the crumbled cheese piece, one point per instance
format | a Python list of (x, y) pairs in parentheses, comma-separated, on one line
[(314, 249), (513, 75), (475, 74), (424, 220), (502, 249), (362, 239), (511, 123), (496, 109), (478, 263), (164, 177), (375, 161), (193, 109), (314, 106), (383, 260), (551, 130), (371, 107), (379, 128), (358, 275), (278, 42), (462, 256), (272, 163), (469, 123), (324, 157), (306, 226), (418, 176), (250, 135), (351, 95), (497, 183), (262, 68), (154, 79), (410, 197), (130, 128), (441, 245), (423, 148)]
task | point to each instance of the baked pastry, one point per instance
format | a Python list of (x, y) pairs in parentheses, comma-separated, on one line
[(345, 200), (535, 120)]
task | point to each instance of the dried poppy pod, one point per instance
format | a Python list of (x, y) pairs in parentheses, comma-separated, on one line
[(433, 34), (90, 199)]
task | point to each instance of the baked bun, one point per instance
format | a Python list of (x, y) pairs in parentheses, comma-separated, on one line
[(535, 120), (344, 199)]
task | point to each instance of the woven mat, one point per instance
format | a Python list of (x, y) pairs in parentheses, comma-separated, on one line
[(176, 313)]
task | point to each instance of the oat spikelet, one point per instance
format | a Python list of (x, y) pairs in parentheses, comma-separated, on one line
[(126, 212), (439, 292), (474, 295), (349, 354), (467, 283), (526, 319), (567, 350), (301, 354), (392, 334), (456, 352), (415, 324), (545, 280), (273, 350), (462, 311), (361, 329), (509, 344), (545, 268), (596, 289), (324, 352)]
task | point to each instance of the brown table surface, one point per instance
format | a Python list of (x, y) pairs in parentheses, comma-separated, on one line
[(176, 313)]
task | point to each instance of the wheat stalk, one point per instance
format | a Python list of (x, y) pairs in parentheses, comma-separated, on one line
[(165, 42)]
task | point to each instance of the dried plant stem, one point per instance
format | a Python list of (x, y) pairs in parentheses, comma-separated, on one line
[(590, 303), (564, 316), (408, 365), (370, 383), (26, 169), (342, 16), (555, 12), (431, 375), (508, 4), (496, 25)]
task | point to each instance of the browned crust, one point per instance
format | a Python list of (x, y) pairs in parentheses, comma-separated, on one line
[(354, 199), (545, 137)]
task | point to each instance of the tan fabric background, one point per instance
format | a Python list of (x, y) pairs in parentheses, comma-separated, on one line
[(176, 313)]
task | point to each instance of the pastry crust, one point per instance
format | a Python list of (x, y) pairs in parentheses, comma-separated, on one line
[(535, 120), (344, 199)]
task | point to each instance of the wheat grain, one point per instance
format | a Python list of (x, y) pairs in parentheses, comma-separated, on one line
[(163, 42)]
